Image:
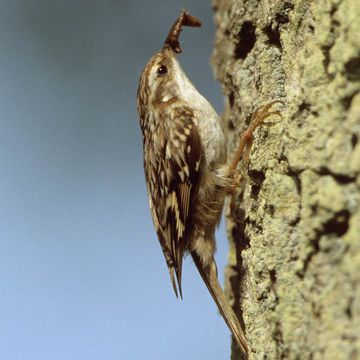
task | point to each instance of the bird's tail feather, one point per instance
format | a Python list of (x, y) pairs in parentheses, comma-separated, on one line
[(209, 275)]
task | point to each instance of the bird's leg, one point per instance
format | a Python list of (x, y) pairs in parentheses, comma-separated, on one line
[(244, 148), (246, 140)]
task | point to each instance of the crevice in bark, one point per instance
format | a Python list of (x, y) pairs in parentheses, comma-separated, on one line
[(348, 310), (340, 178), (246, 40), (281, 353), (273, 30), (352, 68), (273, 35), (231, 100), (354, 140), (278, 333), (282, 17), (347, 100), (337, 226), (257, 178), (327, 48), (326, 62), (273, 279), (315, 249)]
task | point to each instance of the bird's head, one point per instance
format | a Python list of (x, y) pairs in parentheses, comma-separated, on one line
[(163, 78)]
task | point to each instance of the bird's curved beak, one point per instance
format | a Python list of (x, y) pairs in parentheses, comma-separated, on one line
[(185, 19)]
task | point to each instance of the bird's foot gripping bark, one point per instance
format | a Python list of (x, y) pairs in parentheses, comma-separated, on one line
[(246, 140), (244, 148)]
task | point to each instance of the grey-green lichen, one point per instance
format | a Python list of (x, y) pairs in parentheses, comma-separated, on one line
[(294, 262)]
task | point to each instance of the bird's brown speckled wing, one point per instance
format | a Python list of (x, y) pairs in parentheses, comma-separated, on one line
[(173, 186)]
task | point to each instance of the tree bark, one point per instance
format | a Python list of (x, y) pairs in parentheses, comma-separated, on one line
[(294, 262)]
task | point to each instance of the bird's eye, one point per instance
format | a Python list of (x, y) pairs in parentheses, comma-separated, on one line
[(162, 70)]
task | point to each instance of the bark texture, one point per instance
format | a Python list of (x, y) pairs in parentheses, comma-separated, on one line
[(294, 263)]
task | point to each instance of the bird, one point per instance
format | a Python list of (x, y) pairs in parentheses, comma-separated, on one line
[(187, 171)]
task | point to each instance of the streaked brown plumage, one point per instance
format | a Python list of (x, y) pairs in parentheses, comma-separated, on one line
[(186, 168)]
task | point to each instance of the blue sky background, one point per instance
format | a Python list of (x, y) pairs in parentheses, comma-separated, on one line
[(82, 275)]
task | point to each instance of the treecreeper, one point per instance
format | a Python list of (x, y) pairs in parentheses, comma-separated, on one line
[(186, 168)]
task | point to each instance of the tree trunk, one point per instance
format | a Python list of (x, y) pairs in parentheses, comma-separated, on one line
[(294, 263)]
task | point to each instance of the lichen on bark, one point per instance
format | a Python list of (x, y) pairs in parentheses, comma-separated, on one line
[(294, 262)]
